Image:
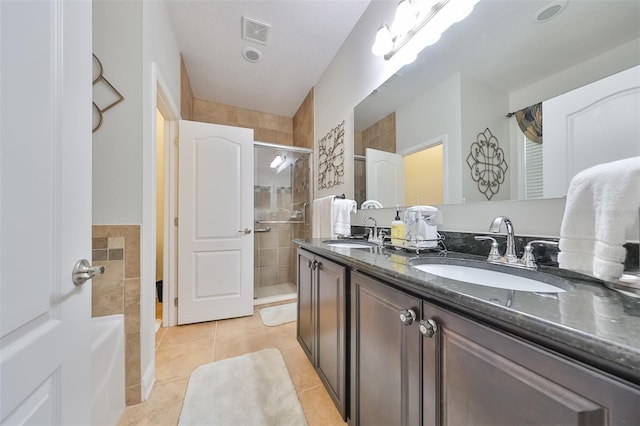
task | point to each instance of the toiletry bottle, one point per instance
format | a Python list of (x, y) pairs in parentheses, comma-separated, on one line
[(397, 229)]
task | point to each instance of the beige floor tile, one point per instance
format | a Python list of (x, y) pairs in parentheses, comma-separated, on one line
[(180, 350), (238, 325), (162, 408), (252, 340), (319, 408), (177, 361), (188, 333), (302, 373), (283, 336)]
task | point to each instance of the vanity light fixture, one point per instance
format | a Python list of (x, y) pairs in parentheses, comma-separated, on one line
[(418, 24), (278, 161)]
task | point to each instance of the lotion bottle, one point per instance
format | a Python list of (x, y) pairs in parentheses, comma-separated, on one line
[(397, 229)]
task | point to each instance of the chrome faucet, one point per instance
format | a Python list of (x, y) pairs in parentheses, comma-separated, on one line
[(510, 258), (373, 236), (510, 253)]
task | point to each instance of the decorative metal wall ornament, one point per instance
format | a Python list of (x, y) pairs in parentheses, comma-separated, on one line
[(331, 158), (103, 94), (487, 163)]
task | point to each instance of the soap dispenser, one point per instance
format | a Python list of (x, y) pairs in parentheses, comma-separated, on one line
[(397, 229)]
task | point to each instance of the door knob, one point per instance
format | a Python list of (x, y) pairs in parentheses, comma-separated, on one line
[(245, 231), (407, 316), (83, 271), (428, 327)]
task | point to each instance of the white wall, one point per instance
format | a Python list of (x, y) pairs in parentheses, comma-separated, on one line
[(117, 145), (136, 44), (423, 120), (161, 66), (352, 75), (483, 107)]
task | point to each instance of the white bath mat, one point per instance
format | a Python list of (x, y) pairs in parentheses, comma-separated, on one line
[(252, 389), (279, 314)]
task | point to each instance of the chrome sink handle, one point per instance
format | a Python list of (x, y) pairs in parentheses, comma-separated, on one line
[(528, 258), (494, 254)]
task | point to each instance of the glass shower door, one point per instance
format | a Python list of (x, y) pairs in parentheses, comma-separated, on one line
[(281, 201)]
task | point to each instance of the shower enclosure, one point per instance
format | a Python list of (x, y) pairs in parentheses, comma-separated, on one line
[(281, 213)]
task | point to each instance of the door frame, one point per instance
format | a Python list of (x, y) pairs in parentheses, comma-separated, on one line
[(160, 100)]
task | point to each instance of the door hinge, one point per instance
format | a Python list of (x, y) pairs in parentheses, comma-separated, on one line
[(176, 141), (175, 221), (175, 302)]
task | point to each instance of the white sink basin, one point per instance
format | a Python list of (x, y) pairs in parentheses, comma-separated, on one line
[(488, 278), (348, 244)]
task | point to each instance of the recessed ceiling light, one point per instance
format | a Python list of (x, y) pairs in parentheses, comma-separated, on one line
[(251, 54), (551, 10)]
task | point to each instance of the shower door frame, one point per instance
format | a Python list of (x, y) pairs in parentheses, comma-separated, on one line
[(306, 216)]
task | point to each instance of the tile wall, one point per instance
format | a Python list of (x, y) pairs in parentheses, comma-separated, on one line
[(303, 123), (117, 247), (380, 135), (266, 127)]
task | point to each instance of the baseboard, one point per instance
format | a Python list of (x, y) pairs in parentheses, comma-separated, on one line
[(148, 380)]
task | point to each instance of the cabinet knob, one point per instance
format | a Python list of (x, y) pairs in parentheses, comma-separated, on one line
[(407, 316), (316, 264), (310, 264), (428, 327)]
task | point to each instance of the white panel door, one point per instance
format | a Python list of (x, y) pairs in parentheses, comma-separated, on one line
[(45, 211), (385, 177), (594, 124), (215, 209)]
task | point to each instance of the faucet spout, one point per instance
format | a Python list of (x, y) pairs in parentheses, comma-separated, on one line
[(510, 253), (372, 237)]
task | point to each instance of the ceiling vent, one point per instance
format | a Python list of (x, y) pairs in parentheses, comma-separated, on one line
[(255, 31)]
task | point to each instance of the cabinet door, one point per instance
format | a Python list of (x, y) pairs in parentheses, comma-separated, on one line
[(331, 350), (385, 355), (490, 378), (305, 324)]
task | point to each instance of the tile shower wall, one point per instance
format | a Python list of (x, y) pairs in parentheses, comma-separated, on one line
[(380, 135), (117, 247)]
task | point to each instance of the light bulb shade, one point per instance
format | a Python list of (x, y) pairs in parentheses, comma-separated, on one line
[(405, 19), (456, 11), (277, 161), (384, 42)]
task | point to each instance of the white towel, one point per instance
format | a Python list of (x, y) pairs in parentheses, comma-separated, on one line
[(602, 205), (342, 209), (322, 218)]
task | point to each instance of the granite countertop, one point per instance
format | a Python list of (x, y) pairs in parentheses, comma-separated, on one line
[(588, 322)]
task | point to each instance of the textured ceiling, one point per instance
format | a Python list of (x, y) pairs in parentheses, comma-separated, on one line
[(498, 44), (304, 38)]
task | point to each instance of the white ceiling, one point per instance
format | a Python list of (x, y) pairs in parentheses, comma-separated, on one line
[(499, 44), (304, 38)]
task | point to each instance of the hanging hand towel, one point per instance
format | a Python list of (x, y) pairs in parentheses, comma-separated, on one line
[(342, 209), (602, 205), (322, 218)]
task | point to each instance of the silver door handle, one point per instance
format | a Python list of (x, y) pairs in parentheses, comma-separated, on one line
[(83, 271), (246, 231)]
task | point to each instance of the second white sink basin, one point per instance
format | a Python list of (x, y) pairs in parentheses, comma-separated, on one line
[(488, 278)]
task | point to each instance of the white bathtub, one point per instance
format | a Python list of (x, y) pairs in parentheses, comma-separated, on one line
[(107, 370)]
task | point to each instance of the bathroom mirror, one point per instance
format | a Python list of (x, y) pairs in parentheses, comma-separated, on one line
[(505, 56)]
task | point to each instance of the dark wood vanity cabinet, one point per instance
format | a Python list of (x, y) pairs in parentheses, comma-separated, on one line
[(321, 329), (486, 377), (385, 370), (442, 368)]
